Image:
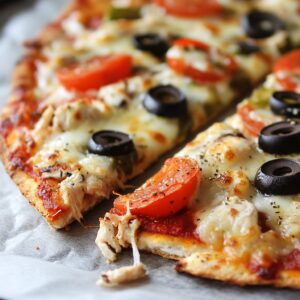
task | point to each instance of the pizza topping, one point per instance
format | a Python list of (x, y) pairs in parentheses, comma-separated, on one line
[(179, 225), (280, 138), (116, 13), (252, 125), (291, 261), (279, 177), (191, 9), (247, 47), (152, 43), (231, 222), (95, 72), (166, 101), (286, 103), (122, 275), (110, 143), (48, 192), (166, 193), (287, 70), (201, 62), (261, 24)]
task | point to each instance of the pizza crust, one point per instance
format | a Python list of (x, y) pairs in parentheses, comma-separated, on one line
[(215, 265), (194, 258), (23, 81), (28, 187)]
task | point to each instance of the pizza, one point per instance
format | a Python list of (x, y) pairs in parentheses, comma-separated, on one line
[(109, 87), (226, 206)]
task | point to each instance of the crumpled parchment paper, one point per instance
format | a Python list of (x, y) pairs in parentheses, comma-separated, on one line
[(37, 262)]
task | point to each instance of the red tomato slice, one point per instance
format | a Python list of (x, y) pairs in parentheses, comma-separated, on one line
[(191, 8), (216, 71), (96, 72), (287, 68), (166, 193), (253, 126)]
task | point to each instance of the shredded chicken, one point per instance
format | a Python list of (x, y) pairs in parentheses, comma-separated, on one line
[(122, 275), (116, 232)]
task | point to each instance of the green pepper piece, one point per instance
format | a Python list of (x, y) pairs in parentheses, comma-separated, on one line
[(130, 13)]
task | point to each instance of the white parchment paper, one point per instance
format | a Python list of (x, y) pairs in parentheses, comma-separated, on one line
[(39, 263)]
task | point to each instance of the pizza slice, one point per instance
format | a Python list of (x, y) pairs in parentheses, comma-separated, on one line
[(106, 89), (227, 206)]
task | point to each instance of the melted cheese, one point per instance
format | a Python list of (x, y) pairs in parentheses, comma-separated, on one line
[(119, 106), (227, 204)]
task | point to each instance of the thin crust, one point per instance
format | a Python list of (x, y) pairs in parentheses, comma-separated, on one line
[(23, 82), (23, 79), (195, 259)]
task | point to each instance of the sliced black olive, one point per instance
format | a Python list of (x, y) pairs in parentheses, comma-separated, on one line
[(246, 47), (166, 101), (280, 138), (286, 103), (153, 43), (110, 143), (261, 24), (279, 177)]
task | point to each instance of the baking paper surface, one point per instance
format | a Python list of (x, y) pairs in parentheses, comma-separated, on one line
[(37, 262)]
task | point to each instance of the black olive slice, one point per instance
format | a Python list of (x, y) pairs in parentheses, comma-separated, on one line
[(286, 103), (166, 101), (279, 177), (110, 143), (280, 138), (246, 47), (261, 24), (152, 42)]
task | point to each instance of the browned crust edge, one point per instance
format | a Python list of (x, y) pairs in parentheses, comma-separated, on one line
[(20, 77), (196, 259), (26, 184)]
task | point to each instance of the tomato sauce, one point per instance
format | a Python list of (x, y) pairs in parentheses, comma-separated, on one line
[(6, 126), (266, 272), (48, 192), (269, 271), (291, 261), (179, 225), (18, 159)]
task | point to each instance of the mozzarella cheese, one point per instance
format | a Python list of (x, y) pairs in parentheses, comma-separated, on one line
[(228, 204), (67, 125)]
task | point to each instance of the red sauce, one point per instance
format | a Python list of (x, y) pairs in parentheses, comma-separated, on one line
[(291, 261), (18, 159), (6, 126), (179, 225), (268, 270), (48, 192), (93, 22)]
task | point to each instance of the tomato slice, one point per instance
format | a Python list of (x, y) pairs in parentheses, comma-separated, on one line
[(96, 72), (219, 65), (191, 8), (287, 70), (166, 193), (253, 126)]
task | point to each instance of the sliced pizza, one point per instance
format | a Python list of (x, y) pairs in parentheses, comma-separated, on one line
[(107, 89), (227, 206)]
